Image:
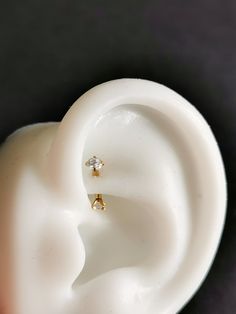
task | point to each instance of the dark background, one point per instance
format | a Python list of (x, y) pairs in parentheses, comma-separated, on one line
[(53, 51)]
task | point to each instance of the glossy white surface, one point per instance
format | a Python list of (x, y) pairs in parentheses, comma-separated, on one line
[(165, 189)]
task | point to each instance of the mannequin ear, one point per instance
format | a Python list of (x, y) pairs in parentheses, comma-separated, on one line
[(164, 184)]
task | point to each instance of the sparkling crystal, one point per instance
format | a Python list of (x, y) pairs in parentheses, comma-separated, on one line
[(94, 163), (99, 204)]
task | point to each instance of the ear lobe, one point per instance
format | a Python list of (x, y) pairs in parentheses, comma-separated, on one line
[(182, 192)]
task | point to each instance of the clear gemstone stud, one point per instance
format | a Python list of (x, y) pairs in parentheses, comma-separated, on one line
[(95, 164)]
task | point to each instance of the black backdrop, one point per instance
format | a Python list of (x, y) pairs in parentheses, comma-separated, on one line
[(51, 51)]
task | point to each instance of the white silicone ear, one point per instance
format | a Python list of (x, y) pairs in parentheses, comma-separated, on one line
[(165, 185)]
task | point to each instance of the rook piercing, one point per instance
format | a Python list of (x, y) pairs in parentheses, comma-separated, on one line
[(96, 164)]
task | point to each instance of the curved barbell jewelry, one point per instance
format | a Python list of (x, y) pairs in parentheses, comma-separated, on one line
[(96, 165)]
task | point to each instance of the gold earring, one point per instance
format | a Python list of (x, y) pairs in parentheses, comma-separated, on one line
[(96, 165), (99, 203)]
